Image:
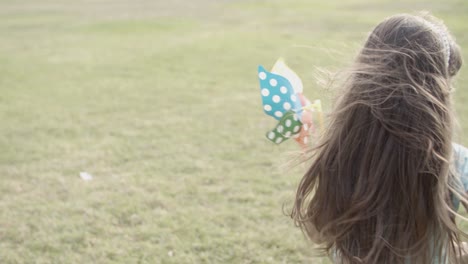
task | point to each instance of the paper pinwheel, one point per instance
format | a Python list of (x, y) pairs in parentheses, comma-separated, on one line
[(282, 98)]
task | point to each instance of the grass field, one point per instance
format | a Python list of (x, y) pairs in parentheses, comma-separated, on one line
[(158, 100)]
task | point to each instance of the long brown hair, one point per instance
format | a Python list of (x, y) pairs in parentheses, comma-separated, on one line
[(378, 187)]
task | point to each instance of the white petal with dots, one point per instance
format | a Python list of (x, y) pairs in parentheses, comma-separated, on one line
[(280, 129), (265, 92), (273, 82), (276, 98), (283, 90), (267, 108), (288, 123), (262, 75), (278, 114), (287, 106)]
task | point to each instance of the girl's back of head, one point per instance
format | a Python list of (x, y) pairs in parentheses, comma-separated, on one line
[(377, 190)]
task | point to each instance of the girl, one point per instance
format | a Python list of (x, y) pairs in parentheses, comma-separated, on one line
[(380, 188)]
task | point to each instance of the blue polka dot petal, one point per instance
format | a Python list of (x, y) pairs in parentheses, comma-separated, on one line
[(277, 94)]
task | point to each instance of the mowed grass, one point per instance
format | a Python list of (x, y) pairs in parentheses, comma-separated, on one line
[(158, 100)]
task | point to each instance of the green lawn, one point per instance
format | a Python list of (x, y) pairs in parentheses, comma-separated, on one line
[(158, 100)]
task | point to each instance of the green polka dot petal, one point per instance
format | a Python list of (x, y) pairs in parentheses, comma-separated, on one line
[(287, 127)]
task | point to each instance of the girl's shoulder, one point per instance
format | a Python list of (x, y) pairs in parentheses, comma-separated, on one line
[(460, 171), (459, 150), (461, 162)]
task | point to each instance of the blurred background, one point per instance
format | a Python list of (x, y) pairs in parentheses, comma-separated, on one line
[(133, 131)]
